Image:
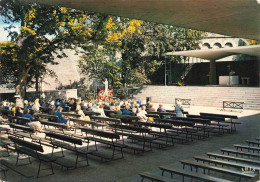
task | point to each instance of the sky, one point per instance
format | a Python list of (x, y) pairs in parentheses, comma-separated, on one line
[(3, 33)]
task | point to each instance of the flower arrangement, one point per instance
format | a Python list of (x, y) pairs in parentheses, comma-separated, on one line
[(105, 96)]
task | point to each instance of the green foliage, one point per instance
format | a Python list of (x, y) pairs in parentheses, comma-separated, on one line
[(45, 31), (142, 46)]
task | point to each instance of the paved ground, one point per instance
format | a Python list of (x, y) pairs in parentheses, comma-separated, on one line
[(127, 169)]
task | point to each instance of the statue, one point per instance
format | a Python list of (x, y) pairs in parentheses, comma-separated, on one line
[(106, 87)]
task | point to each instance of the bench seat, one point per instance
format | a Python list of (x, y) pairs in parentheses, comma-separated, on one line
[(115, 144), (253, 142), (32, 153), (225, 163), (214, 168), (215, 155), (249, 154), (14, 168), (192, 175), (249, 148), (153, 177)]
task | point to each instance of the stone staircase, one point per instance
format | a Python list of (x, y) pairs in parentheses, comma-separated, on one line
[(202, 95)]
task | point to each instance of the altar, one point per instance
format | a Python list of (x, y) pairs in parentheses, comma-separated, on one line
[(229, 80)]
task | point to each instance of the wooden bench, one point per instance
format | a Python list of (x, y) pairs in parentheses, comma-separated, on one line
[(105, 120), (230, 151), (249, 148), (107, 138), (5, 143), (215, 155), (125, 118), (68, 143), (162, 113), (221, 125), (32, 150), (21, 127), (188, 127), (140, 136), (66, 108), (84, 122), (8, 165), (22, 120), (90, 113), (131, 131), (153, 177), (191, 175), (27, 132), (214, 168), (225, 163), (6, 113), (51, 118), (253, 143), (154, 140), (184, 112), (55, 125), (231, 117), (44, 109), (71, 114), (178, 129)]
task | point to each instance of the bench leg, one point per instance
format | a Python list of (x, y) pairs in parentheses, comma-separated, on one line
[(5, 178), (38, 173), (76, 161), (52, 172), (87, 158), (122, 152)]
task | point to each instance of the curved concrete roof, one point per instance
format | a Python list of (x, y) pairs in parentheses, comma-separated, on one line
[(215, 54), (238, 18)]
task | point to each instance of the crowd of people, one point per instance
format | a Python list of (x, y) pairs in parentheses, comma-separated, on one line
[(29, 109)]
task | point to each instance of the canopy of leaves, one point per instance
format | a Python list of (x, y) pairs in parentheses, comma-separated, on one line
[(44, 32), (142, 46)]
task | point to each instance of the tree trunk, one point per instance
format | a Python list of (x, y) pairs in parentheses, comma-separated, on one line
[(20, 88)]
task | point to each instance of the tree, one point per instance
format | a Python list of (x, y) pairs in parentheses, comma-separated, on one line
[(99, 56), (44, 32), (142, 46)]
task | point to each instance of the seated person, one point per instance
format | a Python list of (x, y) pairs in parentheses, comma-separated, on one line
[(150, 108), (178, 110), (51, 112), (18, 112), (6, 106), (134, 112), (106, 106), (142, 115), (161, 109), (36, 106), (118, 110), (126, 111), (32, 123), (112, 106), (57, 103), (80, 112), (100, 110), (30, 105), (60, 118)]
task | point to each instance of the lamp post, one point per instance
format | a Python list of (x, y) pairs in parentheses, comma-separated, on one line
[(165, 73)]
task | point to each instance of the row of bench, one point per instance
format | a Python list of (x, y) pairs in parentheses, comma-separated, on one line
[(232, 165), (136, 132)]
